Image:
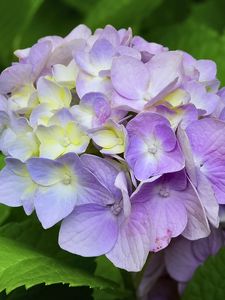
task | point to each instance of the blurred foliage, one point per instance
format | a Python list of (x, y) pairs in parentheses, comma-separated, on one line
[(196, 26)]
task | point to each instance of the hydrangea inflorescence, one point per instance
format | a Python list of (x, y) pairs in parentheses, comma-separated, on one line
[(120, 139)]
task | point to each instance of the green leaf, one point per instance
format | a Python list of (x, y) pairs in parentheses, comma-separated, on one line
[(123, 13), (15, 17), (30, 256), (107, 270), (208, 282), (2, 161)]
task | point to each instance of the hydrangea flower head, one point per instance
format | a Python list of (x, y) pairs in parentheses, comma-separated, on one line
[(119, 139)]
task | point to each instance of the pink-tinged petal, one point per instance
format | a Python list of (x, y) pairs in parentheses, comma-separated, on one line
[(55, 202), (168, 218), (130, 77), (165, 209), (91, 230), (14, 77), (165, 68), (197, 223), (180, 261), (45, 171), (207, 69), (132, 247)]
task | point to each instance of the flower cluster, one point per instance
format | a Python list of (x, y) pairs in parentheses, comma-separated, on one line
[(119, 138)]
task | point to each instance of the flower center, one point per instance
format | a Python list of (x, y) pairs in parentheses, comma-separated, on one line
[(67, 179), (152, 149), (163, 192), (66, 141), (116, 208)]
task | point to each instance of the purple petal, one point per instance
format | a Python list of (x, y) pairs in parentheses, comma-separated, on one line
[(172, 71), (11, 188), (91, 230), (207, 69), (90, 84), (16, 185), (38, 56), (90, 189), (53, 203), (129, 77), (155, 151), (208, 145), (101, 54), (14, 77), (45, 171), (180, 261), (207, 196), (202, 100), (103, 170), (111, 34), (79, 32), (197, 223), (132, 247)]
